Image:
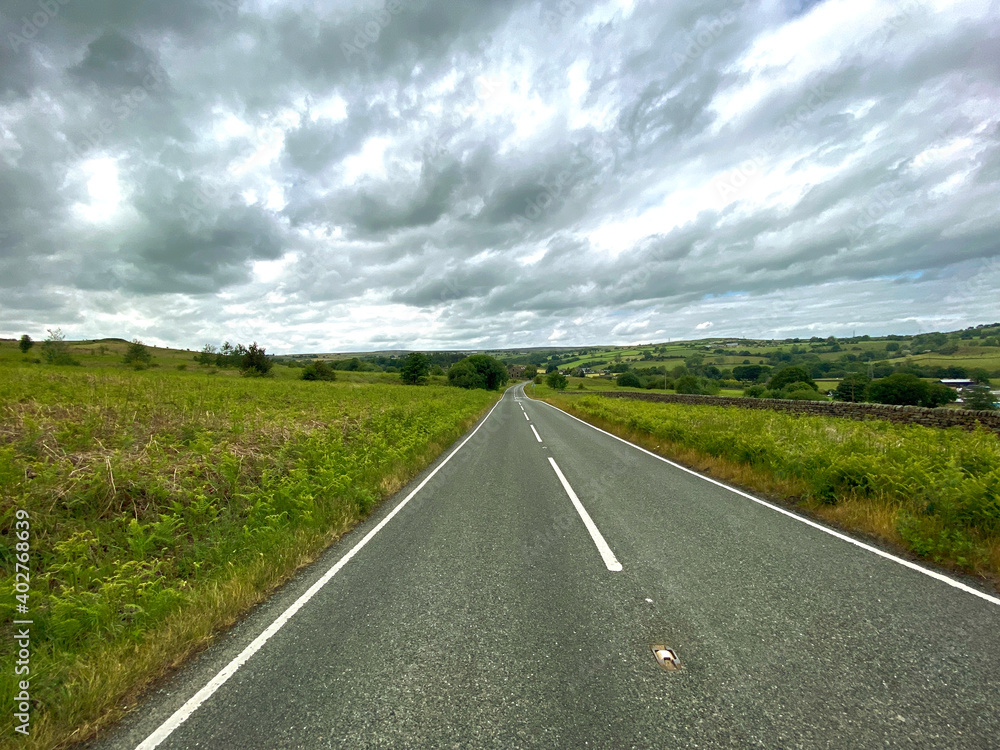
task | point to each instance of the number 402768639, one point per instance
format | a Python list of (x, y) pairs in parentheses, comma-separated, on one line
[(22, 529)]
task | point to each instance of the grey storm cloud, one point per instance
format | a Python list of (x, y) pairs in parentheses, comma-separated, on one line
[(418, 173)]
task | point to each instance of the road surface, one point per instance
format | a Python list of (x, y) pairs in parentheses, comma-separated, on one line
[(490, 609)]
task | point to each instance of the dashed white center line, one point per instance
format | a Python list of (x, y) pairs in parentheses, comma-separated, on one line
[(602, 546), (536, 433), (527, 417)]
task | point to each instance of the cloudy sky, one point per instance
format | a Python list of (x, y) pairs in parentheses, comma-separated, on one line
[(338, 176)]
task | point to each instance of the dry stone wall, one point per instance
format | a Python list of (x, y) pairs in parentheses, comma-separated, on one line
[(965, 418)]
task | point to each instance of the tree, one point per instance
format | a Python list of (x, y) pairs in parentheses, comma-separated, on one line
[(318, 370), (905, 388), (224, 357), (852, 387), (629, 380), (788, 375), (980, 398), (463, 374), (750, 373), (979, 375), (207, 355), (551, 368), (530, 371), (557, 381), (688, 384), (137, 355), (478, 371), (56, 350), (25, 344), (415, 368), (254, 361)]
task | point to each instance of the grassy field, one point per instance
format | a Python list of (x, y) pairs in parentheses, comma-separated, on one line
[(935, 493), (164, 503)]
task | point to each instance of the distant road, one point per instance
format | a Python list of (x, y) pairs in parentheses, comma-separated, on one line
[(513, 601)]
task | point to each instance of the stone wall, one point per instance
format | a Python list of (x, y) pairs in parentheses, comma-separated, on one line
[(964, 418)]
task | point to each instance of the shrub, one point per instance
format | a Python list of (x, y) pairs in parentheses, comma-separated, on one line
[(629, 380), (805, 393), (25, 343), (137, 355), (56, 350), (788, 375), (556, 380), (688, 384), (255, 362), (318, 370)]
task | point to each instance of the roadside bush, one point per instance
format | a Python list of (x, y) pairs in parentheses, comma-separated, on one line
[(557, 381), (478, 371)]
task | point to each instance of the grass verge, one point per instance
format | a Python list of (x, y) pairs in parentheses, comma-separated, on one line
[(932, 493), (163, 505)]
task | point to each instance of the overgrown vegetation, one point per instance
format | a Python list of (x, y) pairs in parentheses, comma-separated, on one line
[(163, 503), (478, 371), (935, 492)]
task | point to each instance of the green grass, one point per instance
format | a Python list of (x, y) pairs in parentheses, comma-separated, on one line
[(934, 492), (164, 503)]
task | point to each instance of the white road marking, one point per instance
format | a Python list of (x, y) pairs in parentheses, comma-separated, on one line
[(536, 433), (602, 546), (527, 417), (875, 550), (181, 714)]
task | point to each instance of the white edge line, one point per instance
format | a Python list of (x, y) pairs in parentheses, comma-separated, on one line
[(602, 546), (536, 432), (184, 712), (881, 553)]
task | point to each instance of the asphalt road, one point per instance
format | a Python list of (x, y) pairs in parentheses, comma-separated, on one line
[(484, 613)]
